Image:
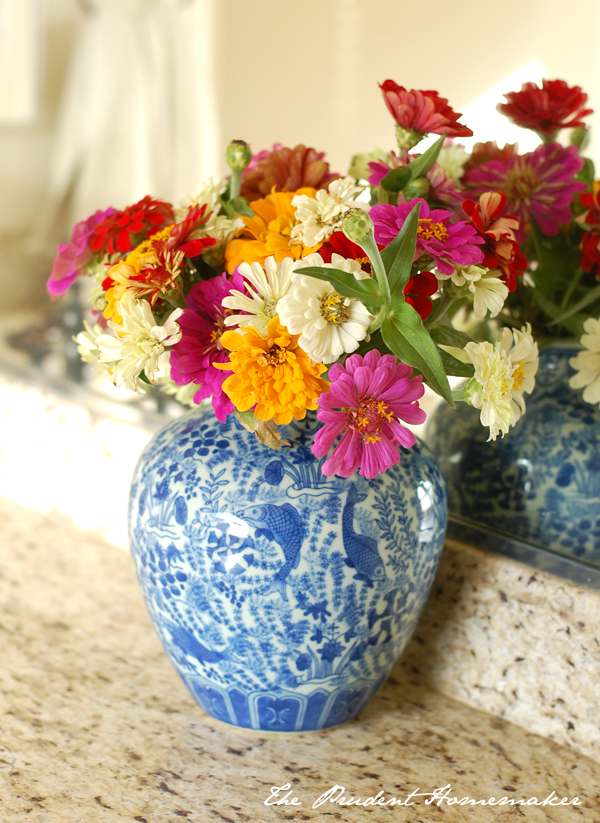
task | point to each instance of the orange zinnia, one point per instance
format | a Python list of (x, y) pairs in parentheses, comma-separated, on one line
[(269, 231), (272, 373)]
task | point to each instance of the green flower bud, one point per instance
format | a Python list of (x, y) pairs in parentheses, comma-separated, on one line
[(357, 226), (419, 187), (580, 137), (472, 388), (238, 155), (407, 138)]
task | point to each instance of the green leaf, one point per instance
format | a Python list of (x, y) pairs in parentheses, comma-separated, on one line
[(404, 334), (398, 256), (454, 366), (397, 179), (238, 207), (346, 284), (448, 336), (590, 297), (421, 165)]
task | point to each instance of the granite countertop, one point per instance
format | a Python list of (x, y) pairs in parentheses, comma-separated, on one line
[(96, 726)]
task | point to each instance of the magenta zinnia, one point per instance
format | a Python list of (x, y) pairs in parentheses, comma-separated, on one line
[(440, 239), (538, 185), (73, 257), (194, 356), (367, 397)]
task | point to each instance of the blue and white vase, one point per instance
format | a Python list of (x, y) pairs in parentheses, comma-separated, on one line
[(282, 597), (541, 482)]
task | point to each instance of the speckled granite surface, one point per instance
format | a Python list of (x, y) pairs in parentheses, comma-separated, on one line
[(516, 642), (96, 726)]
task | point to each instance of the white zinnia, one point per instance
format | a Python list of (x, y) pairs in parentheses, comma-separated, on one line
[(87, 346), (317, 218), (139, 343), (266, 287), (587, 363), (484, 287), (328, 324), (452, 159), (490, 389), (522, 351)]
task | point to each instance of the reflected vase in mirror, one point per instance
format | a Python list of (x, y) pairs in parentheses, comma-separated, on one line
[(283, 597), (541, 482)]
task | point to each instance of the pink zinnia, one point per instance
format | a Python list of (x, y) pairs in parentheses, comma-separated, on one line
[(74, 256), (202, 325), (538, 185), (367, 397), (447, 243)]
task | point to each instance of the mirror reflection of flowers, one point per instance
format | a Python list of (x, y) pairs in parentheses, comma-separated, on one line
[(289, 286)]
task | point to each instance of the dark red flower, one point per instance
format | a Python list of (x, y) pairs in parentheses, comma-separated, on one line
[(338, 243), (550, 108), (179, 236), (501, 250), (286, 169), (590, 242), (418, 290), (424, 112), (482, 153), (116, 234)]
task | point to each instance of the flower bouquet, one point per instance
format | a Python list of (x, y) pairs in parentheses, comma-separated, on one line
[(287, 287)]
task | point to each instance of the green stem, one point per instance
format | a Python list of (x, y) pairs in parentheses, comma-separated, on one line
[(370, 246), (572, 286), (377, 322), (440, 307), (235, 183), (458, 395)]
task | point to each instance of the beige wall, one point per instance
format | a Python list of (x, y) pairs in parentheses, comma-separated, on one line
[(307, 71)]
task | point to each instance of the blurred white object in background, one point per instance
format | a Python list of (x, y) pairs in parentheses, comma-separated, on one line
[(20, 60), (139, 92)]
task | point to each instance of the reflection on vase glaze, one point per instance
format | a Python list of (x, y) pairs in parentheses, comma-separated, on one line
[(283, 598), (541, 482)]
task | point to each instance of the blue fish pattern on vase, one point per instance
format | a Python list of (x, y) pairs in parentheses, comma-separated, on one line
[(283, 598), (541, 482)]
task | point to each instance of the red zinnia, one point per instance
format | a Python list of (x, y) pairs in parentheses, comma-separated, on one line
[(590, 242), (501, 250), (550, 108), (286, 169), (115, 234), (424, 112)]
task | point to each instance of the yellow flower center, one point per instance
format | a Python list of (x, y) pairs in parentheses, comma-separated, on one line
[(518, 377), (333, 308), (275, 356), (369, 418), (428, 230)]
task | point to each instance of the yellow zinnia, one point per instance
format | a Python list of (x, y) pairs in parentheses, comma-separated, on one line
[(272, 372), (271, 228)]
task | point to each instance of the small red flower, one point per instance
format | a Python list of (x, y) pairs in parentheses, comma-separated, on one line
[(550, 108), (422, 111), (501, 250), (590, 242), (419, 289), (116, 233), (338, 243)]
